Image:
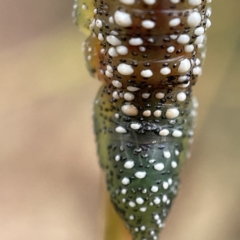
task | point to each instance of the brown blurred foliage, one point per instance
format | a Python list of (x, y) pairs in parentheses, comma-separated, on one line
[(49, 176)]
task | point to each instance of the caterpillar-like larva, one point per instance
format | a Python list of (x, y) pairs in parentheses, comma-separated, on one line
[(148, 55)]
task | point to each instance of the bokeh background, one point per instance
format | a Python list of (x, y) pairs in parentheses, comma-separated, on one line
[(49, 176)]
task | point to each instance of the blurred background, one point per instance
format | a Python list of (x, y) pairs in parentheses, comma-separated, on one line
[(49, 176)]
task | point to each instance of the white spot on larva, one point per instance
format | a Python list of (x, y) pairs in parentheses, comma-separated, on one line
[(165, 71), (139, 201), (166, 154), (143, 228), (108, 74), (208, 23), (129, 164), (142, 49), (164, 198), (143, 209), (132, 89), (189, 48), (173, 164), (177, 133), (89, 58), (194, 19), (122, 19), (147, 113), (157, 113), (182, 79), (125, 69), (127, 2), (171, 49), (132, 204), (197, 71), (144, 190), (131, 217), (84, 7), (184, 85), (183, 39), (135, 41), (113, 40), (122, 50), (100, 37), (135, 126), (165, 185), (117, 158), (115, 33), (172, 113), (152, 161), (120, 129), (199, 31), (145, 95), (198, 62), (174, 22), (151, 40), (140, 174), (124, 191), (194, 2), (173, 36), (148, 24), (199, 40), (116, 83), (110, 19), (157, 200), (149, 2), (154, 188), (181, 97), (209, 12), (99, 23), (129, 110), (125, 181), (146, 73), (184, 66), (159, 166), (159, 95), (91, 26), (112, 52), (164, 132), (109, 68), (128, 96)]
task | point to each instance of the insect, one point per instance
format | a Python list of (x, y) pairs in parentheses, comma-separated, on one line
[(148, 55)]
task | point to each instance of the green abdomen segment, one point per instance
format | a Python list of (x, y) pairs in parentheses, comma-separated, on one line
[(142, 160)]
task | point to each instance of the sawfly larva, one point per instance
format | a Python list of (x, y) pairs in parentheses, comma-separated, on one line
[(148, 55)]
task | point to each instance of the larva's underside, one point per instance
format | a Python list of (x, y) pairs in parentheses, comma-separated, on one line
[(148, 55)]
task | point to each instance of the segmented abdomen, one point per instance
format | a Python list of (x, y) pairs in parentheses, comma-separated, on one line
[(148, 55)]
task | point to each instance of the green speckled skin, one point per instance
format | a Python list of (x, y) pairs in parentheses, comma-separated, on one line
[(141, 146)]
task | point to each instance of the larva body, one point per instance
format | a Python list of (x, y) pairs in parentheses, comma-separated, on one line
[(148, 55)]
